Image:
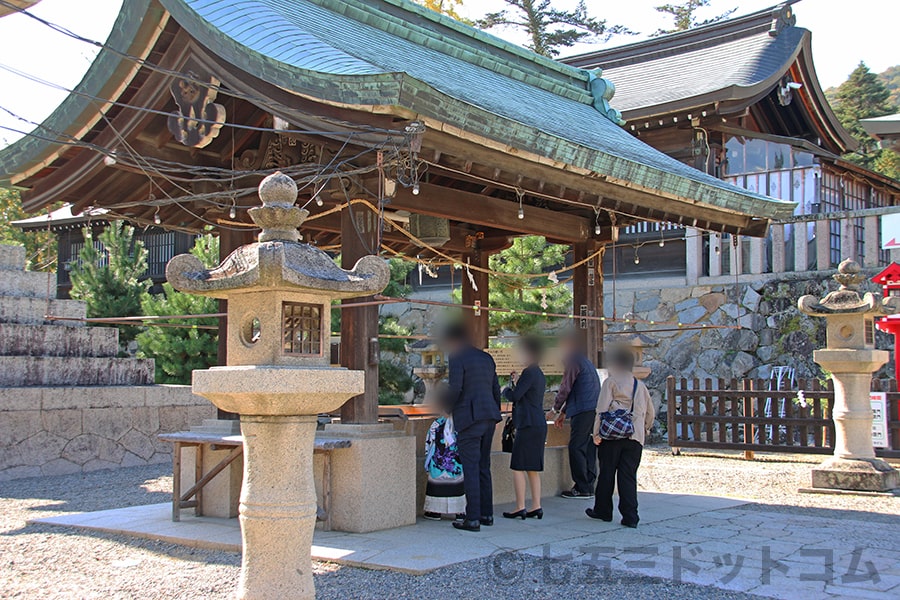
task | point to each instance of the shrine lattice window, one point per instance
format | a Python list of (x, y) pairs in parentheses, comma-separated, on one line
[(302, 328)]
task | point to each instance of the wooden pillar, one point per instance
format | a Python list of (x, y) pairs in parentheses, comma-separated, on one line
[(359, 326), (229, 241), (477, 324), (587, 300)]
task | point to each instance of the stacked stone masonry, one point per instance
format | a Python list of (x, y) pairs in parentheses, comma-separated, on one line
[(68, 404)]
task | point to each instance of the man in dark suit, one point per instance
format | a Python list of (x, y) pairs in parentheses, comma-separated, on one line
[(474, 401)]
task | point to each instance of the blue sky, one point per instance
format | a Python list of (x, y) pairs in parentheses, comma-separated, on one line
[(843, 34)]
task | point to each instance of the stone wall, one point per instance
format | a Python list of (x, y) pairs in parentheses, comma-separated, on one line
[(762, 328), (61, 430), (68, 403)]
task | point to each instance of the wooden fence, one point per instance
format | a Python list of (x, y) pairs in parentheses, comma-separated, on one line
[(745, 415)]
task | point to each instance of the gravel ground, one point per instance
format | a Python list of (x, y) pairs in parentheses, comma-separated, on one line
[(50, 562)]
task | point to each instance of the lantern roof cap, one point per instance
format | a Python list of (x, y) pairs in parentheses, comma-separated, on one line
[(278, 260), (847, 299)]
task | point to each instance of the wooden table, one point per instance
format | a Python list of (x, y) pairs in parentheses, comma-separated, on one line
[(193, 497)]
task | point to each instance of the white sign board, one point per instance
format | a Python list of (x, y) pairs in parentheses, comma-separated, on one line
[(890, 231), (879, 419)]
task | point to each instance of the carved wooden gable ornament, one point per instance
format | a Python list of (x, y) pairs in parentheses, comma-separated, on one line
[(198, 119)]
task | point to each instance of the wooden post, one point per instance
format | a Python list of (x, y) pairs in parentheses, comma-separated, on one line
[(587, 300), (359, 326), (749, 429), (229, 241), (477, 323)]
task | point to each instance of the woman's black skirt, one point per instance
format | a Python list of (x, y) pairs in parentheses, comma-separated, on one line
[(528, 449)]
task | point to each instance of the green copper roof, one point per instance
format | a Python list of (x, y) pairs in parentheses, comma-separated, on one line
[(394, 53)]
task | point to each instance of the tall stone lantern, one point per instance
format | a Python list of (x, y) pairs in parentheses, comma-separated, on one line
[(851, 357), (278, 379)]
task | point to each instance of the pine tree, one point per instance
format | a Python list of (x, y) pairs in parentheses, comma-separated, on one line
[(550, 29), (863, 96), (684, 17), (40, 246), (110, 276), (179, 351), (528, 254)]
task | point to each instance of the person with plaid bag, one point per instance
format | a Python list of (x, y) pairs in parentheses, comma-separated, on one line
[(624, 415)]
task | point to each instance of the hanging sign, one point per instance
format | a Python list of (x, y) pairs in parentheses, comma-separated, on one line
[(879, 419)]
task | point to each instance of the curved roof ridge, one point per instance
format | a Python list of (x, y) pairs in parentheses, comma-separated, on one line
[(732, 28)]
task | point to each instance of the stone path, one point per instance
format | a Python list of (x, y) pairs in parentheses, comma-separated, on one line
[(730, 544)]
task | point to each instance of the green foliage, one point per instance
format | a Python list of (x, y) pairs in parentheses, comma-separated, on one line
[(394, 377), (549, 28), (397, 286), (890, 77), (109, 276), (394, 381), (445, 7), (40, 246), (684, 17), (529, 254), (179, 350), (863, 96)]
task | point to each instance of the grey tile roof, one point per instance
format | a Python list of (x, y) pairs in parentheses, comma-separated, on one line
[(725, 61)]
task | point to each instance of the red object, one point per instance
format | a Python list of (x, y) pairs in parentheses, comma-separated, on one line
[(889, 279)]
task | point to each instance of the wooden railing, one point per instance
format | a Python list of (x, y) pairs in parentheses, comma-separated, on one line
[(746, 415)]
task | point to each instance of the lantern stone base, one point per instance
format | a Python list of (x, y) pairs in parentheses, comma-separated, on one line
[(374, 481), (867, 475)]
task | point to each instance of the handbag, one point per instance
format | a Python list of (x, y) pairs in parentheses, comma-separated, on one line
[(508, 436), (618, 424)]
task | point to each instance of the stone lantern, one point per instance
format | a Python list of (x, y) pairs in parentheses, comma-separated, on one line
[(278, 379), (433, 367), (636, 342), (851, 358)]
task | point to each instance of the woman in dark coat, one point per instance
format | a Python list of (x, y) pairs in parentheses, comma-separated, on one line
[(527, 395)]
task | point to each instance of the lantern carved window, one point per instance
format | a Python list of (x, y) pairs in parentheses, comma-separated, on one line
[(302, 328)]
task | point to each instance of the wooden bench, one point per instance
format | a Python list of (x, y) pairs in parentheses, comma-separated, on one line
[(192, 498)]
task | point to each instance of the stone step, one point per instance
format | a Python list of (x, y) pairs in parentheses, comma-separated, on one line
[(31, 311), (30, 284), (78, 371), (12, 258), (43, 340)]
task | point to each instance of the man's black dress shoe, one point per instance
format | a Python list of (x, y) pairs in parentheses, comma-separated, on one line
[(595, 515), (487, 521), (467, 525)]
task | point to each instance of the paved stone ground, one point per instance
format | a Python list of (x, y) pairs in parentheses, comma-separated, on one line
[(800, 534)]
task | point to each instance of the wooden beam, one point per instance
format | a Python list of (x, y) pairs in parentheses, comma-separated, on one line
[(359, 326), (487, 211), (632, 199)]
